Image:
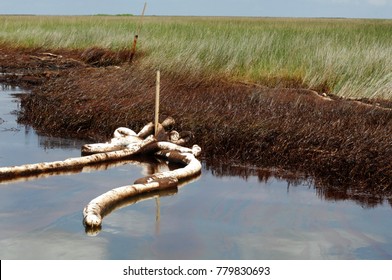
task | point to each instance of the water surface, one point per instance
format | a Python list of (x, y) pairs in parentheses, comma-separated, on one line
[(213, 217)]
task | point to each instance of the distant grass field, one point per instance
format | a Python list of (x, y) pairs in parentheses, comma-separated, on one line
[(347, 57)]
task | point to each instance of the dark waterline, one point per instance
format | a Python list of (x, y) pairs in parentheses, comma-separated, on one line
[(213, 217)]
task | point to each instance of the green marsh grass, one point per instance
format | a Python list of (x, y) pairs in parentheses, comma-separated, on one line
[(347, 57)]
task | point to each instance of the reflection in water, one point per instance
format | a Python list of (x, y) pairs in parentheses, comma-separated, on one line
[(332, 193), (323, 190), (263, 174), (48, 142)]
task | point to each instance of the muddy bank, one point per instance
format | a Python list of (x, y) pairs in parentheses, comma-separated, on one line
[(345, 146)]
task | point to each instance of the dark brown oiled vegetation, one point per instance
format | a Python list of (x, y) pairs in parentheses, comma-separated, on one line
[(345, 146)]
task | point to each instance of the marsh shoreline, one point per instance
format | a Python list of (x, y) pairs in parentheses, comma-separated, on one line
[(344, 146)]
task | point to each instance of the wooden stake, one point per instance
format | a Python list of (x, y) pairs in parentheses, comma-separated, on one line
[(157, 93), (140, 23), (135, 38)]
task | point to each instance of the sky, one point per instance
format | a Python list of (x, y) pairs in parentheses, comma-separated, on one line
[(254, 8)]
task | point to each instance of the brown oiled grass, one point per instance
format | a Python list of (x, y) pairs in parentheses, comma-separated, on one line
[(344, 145)]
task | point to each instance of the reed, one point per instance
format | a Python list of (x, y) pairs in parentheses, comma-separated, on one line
[(347, 57)]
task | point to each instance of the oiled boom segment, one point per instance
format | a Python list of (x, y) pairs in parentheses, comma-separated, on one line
[(95, 210), (73, 163)]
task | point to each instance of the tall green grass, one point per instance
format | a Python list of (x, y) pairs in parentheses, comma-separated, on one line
[(348, 57)]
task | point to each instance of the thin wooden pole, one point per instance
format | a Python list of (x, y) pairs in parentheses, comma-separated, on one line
[(141, 19), (157, 93), (136, 37)]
